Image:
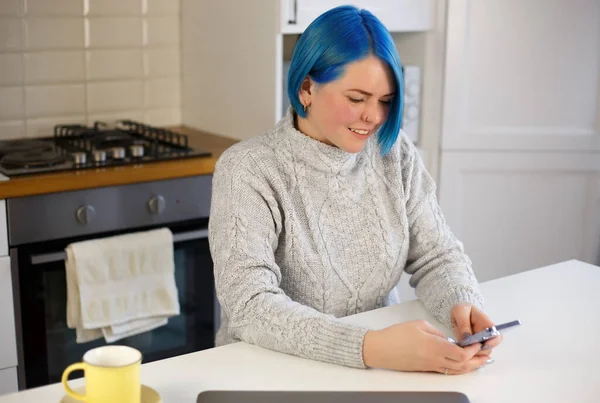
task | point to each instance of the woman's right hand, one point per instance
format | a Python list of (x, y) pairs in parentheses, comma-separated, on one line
[(418, 346)]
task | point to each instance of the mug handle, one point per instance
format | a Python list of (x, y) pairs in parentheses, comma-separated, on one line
[(65, 377)]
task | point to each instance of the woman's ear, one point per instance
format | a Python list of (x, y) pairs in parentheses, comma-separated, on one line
[(306, 91)]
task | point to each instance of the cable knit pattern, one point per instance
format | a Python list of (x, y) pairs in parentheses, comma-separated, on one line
[(303, 233)]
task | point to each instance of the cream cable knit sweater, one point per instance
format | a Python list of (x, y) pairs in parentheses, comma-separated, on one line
[(302, 233)]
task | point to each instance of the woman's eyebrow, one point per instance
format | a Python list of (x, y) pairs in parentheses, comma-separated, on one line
[(368, 93)]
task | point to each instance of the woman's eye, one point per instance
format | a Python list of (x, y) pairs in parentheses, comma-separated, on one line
[(386, 102), (355, 100)]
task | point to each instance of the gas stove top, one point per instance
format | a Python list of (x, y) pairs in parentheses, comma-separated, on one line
[(76, 147)]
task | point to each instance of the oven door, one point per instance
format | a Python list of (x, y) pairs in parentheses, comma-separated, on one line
[(47, 346)]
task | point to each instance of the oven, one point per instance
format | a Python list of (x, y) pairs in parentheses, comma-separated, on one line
[(41, 227)]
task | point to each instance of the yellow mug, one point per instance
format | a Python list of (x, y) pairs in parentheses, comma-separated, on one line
[(112, 374)]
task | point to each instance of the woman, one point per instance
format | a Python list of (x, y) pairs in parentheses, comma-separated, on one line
[(317, 218)]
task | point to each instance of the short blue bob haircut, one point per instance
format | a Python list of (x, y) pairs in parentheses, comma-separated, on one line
[(340, 36)]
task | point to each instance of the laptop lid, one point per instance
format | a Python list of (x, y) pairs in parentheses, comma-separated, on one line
[(329, 397)]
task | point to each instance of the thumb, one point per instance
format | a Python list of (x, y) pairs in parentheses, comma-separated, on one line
[(461, 320), (429, 328)]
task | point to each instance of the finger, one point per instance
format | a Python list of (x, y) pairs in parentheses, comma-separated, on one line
[(492, 343), (461, 320), (452, 365), (467, 366), (489, 345), (463, 368), (429, 328), (486, 353), (456, 353), (480, 320)]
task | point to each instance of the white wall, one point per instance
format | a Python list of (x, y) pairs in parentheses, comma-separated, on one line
[(426, 50), (67, 61)]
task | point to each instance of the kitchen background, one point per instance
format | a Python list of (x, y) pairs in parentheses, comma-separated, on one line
[(509, 108), (507, 97), (75, 61)]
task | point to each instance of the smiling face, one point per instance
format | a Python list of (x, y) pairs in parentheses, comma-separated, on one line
[(345, 112)]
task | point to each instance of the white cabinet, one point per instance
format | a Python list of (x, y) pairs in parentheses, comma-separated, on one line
[(522, 75), (8, 346), (519, 211), (519, 174), (3, 229), (233, 55), (8, 381), (396, 15)]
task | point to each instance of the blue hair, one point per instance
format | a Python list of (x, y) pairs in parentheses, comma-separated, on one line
[(340, 36)]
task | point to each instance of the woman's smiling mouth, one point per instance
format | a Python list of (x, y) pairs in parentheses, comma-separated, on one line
[(360, 132)]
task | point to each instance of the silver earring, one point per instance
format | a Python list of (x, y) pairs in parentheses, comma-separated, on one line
[(304, 108)]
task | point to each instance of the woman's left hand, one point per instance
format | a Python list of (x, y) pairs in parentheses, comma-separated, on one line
[(467, 320)]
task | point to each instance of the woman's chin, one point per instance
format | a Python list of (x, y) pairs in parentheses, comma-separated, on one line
[(353, 147), (353, 144)]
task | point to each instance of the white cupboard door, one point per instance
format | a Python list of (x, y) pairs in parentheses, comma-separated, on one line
[(8, 381), (522, 75), (3, 230), (231, 67), (8, 345), (519, 211), (396, 15)]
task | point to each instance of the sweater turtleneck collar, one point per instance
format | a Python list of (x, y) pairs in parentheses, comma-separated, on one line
[(318, 155)]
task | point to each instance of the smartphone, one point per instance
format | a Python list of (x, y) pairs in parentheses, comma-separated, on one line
[(486, 334)]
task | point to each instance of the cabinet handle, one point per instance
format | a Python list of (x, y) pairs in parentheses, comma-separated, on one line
[(293, 12)]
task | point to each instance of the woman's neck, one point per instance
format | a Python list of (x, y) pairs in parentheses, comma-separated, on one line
[(305, 126)]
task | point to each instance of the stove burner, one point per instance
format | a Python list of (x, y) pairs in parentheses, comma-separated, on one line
[(11, 146), (37, 158), (111, 139), (77, 147)]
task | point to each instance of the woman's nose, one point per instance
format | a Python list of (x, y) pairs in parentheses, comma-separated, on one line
[(373, 114)]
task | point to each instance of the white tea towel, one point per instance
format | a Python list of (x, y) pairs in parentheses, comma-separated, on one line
[(121, 286), (117, 332)]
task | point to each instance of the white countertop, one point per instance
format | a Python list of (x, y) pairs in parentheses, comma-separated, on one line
[(552, 357)]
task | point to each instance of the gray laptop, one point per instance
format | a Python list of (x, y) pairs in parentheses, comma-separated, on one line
[(218, 396)]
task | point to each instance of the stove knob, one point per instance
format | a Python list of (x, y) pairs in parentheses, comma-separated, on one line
[(80, 157), (137, 150), (157, 204), (118, 153), (85, 214), (99, 156)]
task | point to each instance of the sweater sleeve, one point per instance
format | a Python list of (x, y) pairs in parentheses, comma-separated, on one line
[(441, 270), (244, 227)]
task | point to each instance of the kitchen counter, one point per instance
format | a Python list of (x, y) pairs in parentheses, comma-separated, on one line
[(551, 358), (111, 176)]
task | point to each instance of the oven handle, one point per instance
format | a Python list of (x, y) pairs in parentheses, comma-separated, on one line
[(178, 237)]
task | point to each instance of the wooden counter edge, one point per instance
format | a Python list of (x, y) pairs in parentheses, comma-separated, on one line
[(124, 175)]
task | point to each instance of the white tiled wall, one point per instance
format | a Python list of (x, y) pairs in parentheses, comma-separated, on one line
[(76, 61)]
